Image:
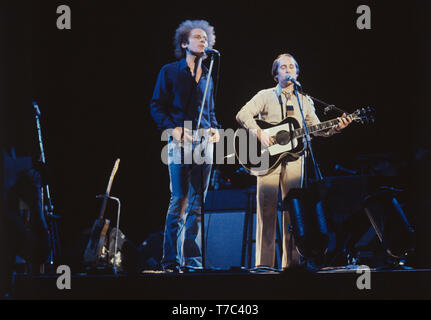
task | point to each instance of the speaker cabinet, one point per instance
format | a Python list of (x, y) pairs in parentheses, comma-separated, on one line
[(224, 237)]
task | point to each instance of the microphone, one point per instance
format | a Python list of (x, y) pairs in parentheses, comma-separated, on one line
[(295, 82), (212, 51), (36, 108)]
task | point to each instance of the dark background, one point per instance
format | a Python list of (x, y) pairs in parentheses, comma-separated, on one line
[(93, 85)]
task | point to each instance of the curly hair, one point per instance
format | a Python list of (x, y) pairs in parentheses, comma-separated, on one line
[(274, 70), (183, 32)]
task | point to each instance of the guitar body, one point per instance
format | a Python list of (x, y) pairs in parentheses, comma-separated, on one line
[(246, 144), (289, 141), (283, 135), (97, 239)]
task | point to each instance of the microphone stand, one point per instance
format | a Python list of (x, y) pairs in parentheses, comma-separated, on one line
[(54, 241), (308, 147), (203, 250), (328, 107)]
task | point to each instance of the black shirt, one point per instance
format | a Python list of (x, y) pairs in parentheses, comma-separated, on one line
[(178, 98)]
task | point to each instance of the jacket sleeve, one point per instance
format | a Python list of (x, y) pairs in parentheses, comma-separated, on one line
[(310, 112), (246, 114), (160, 101), (312, 119)]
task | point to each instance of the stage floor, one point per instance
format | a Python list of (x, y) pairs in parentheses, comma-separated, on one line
[(334, 283)]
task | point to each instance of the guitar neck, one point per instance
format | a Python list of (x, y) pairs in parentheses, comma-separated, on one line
[(108, 189), (300, 132), (103, 208)]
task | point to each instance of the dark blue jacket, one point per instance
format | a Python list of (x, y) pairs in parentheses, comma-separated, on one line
[(178, 98)]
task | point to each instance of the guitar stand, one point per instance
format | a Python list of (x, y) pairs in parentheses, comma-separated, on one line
[(114, 264)]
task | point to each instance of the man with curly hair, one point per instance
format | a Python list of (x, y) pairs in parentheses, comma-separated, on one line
[(176, 103)]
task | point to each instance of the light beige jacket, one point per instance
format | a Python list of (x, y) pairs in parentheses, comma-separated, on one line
[(265, 105)]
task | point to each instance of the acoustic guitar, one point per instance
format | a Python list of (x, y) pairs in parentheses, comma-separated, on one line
[(289, 141)]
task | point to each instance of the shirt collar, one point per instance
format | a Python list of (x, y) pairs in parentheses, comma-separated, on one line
[(279, 90), (185, 66)]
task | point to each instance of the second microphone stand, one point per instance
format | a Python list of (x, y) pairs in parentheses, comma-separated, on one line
[(48, 208), (203, 249)]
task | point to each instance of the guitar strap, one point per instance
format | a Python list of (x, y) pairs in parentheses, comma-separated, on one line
[(284, 115), (288, 108), (281, 106)]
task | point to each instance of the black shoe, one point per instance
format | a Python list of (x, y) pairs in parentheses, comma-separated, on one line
[(171, 269), (186, 269), (263, 269), (295, 268)]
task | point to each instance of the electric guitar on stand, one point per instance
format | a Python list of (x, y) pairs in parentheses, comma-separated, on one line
[(93, 251), (289, 141)]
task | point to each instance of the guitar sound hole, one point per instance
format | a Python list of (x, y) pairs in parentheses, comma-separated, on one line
[(282, 137)]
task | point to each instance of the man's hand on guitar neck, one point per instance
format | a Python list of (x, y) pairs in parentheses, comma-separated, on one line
[(343, 122)]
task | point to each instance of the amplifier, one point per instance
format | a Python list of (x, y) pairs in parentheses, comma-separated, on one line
[(229, 199)]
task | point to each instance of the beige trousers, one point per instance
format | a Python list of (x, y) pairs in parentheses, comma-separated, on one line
[(287, 175)]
